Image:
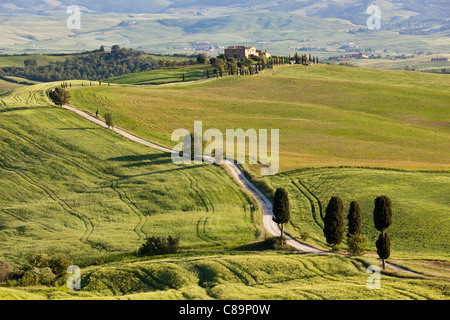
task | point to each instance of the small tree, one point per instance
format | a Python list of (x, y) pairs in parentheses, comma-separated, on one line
[(384, 247), (59, 96), (357, 244), (201, 58), (159, 245), (109, 120), (281, 209), (354, 219), (382, 217), (334, 222)]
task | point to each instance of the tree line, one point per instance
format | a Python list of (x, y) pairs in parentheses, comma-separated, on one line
[(334, 224), (249, 66), (94, 65)]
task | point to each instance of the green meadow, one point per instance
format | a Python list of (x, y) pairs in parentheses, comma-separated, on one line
[(421, 222), (67, 185), (163, 76), (384, 126), (328, 115)]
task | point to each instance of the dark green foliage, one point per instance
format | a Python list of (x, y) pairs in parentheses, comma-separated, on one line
[(281, 209), (276, 243), (59, 96), (354, 219), (357, 244), (201, 58), (159, 245), (95, 65), (384, 246), (334, 222), (382, 214), (30, 63), (109, 120), (58, 263)]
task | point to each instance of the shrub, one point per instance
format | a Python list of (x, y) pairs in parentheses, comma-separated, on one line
[(30, 278), (357, 244), (46, 276), (275, 243), (304, 236), (59, 263), (159, 245)]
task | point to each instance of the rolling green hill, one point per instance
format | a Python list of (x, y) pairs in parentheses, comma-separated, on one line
[(162, 76), (266, 276), (328, 116), (69, 186)]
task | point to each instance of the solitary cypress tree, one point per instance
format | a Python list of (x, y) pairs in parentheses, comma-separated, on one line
[(281, 209), (382, 217), (354, 219), (109, 120), (334, 222)]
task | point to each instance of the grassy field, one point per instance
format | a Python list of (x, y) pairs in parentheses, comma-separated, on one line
[(421, 222), (249, 276), (328, 115), (67, 185), (278, 32), (418, 62), (162, 76), (6, 86), (17, 61)]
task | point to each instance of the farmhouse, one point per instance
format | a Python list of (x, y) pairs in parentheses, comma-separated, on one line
[(242, 52), (439, 59)]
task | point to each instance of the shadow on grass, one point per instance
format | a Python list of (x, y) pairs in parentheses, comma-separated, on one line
[(144, 160), (269, 244), (5, 110)]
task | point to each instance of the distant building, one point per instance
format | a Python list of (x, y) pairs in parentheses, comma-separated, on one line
[(359, 55), (242, 52), (439, 59)]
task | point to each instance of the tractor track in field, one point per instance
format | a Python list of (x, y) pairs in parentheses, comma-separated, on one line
[(311, 202), (241, 180), (88, 225), (123, 196)]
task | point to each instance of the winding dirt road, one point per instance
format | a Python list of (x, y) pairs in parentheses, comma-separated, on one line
[(239, 176)]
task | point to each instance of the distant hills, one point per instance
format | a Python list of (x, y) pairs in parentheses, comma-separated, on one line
[(176, 26), (414, 16)]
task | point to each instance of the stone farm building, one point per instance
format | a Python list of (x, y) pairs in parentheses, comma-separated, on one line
[(242, 52)]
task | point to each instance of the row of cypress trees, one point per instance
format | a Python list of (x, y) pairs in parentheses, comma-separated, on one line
[(334, 224), (334, 227)]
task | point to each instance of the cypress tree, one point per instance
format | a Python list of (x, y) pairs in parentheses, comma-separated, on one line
[(382, 214), (382, 217), (354, 219), (384, 247), (334, 222), (281, 209)]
